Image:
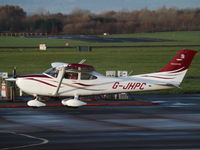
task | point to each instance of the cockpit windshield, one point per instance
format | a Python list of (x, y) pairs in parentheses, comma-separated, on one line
[(52, 72)]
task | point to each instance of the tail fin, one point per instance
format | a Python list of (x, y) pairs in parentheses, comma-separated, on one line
[(180, 62), (174, 72)]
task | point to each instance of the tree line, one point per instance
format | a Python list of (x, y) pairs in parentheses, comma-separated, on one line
[(15, 19)]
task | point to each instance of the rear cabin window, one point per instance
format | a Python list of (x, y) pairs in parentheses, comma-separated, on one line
[(87, 76)]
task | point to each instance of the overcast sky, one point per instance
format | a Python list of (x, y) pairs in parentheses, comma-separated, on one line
[(97, 6)]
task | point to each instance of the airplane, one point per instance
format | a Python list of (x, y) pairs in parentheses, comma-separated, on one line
[(78, 79)]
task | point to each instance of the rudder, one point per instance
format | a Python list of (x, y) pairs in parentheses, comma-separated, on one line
[(180, 62)]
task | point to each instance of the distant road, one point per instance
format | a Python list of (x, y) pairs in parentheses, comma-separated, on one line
[(94, 38), (134, 46)]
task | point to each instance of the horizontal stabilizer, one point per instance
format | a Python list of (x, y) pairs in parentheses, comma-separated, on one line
[(170, 84)]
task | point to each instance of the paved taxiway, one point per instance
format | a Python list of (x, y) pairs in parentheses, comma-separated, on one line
[(93, 38), (173, 124)]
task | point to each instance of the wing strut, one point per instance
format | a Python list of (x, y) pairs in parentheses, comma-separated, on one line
[(59, 79)]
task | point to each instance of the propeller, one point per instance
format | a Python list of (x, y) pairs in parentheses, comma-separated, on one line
[(15, 72), (14, 75)]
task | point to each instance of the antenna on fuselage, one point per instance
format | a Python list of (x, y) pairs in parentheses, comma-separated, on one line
[(82, 61), (130, 73)]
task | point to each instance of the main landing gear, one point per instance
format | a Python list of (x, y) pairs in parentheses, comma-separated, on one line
[(36, 102), (73, 102)]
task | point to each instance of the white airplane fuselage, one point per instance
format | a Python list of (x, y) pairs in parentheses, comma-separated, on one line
[(45, 85)]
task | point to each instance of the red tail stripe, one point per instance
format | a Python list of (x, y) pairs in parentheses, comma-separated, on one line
[(182, 60)]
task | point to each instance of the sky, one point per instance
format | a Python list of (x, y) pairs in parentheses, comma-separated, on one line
[(97, 6)]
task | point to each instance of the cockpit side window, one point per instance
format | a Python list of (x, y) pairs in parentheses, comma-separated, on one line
[(71, 75), (52, 72), (87, 76)]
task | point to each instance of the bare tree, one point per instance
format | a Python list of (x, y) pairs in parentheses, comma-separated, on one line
[(81, 21)]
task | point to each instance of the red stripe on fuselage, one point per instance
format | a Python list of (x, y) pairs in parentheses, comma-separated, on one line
[(42, 82), (34, 76), (157, 77), (83, 84)]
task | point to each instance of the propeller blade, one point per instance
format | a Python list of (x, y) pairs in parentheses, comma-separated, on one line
[(11, 79), (14, 72)]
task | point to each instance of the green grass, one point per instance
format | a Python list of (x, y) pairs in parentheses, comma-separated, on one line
[(186, 36), (138, 60), (183, 38), (22, 41)]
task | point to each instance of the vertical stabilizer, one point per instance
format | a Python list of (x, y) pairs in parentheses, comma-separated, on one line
[(180, 62), (174, 72)]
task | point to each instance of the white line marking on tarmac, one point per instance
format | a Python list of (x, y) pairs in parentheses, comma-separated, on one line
[(44, 141), (178, 104)]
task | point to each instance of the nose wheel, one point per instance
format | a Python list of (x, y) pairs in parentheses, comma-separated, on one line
[(36, 102)]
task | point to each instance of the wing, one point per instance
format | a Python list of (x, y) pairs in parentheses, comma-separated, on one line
[(59, 64)]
